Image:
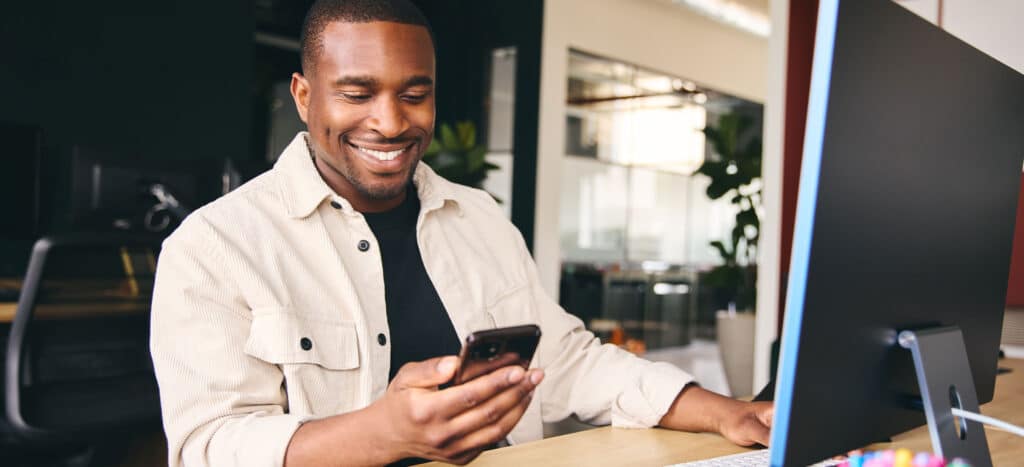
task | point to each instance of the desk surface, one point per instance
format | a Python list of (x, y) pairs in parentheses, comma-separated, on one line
[(657, 447), (91, 299), (75, 310)]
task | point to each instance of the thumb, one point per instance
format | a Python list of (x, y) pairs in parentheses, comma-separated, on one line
[(428, 373)]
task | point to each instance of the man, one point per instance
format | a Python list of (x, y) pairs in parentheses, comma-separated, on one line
[(309, 317)]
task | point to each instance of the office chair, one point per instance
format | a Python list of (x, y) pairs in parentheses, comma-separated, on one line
[(78, 373)]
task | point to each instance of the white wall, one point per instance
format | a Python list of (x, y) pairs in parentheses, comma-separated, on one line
[(995, 27), (768, 280), (650, 33)]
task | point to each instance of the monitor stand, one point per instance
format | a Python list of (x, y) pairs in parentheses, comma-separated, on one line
[(944, 376)]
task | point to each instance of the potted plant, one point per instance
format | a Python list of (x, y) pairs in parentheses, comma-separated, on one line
[(456, 156), (734, 167)]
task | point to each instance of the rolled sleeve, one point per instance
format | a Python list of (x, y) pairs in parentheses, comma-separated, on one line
[(221, 407), (653, 390), (256, 440)]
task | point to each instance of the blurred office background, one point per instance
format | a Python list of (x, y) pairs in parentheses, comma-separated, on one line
[(627, 136)]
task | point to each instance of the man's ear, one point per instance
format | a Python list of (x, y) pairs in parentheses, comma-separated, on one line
[(300, 93)]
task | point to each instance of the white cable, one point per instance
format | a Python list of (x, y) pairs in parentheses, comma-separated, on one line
[(989, 421)]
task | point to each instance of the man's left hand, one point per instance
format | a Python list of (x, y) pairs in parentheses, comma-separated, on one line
[(699, 410), (748, 423)]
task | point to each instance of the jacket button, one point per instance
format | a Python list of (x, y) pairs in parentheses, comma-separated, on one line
[(305, 343), (335, 205), (363, 245), (382, 339)]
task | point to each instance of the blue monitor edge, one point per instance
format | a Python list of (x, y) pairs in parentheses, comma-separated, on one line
[(817, 106), (910, 132)]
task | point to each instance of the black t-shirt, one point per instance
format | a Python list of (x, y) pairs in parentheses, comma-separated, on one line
[(420, 326)]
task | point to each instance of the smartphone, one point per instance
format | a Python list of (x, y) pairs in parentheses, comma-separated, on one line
[(486, 351)]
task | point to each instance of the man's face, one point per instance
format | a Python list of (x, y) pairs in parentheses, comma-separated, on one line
[(369, 107)]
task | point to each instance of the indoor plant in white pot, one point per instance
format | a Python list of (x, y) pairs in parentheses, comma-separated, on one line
[(734, 167)]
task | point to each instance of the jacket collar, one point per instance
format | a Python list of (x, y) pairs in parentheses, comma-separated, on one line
[(303, 190)]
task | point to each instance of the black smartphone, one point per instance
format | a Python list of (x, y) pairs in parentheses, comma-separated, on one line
[(486, 351)]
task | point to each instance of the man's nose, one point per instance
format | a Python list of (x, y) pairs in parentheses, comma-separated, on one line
[(387, 118)]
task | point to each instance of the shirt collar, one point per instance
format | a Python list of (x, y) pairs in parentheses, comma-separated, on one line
[(303, 190)]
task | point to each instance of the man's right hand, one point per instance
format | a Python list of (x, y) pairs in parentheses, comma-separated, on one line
[(457, 423)]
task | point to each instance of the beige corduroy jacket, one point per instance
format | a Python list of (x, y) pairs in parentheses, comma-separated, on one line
[(246, 278)]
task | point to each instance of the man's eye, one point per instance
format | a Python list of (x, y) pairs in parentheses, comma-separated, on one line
[(415, 98), (355, 96)]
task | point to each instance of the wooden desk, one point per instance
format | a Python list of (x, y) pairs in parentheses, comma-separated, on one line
[(89, 295), (73, 310), (657, 447)]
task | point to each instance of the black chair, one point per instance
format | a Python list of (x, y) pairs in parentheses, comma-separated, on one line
[(78, 375)]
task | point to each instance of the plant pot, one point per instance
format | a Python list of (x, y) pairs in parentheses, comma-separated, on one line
[(736, 343)]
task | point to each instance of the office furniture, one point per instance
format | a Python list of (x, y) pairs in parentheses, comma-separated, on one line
[(78, 374), (608, 446), (656, 307)]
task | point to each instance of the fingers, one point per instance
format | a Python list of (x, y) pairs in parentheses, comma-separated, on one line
[(460, 439), (749, 423), (475, 368), (760, 433), (758, 422), (458, 399), (491, 411), (490, 433), (426, 374)]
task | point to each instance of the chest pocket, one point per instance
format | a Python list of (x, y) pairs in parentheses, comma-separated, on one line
[(280, 337), (513, 308), (319, 359)]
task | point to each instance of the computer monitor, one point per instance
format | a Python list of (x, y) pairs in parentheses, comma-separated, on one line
[(911, 172)]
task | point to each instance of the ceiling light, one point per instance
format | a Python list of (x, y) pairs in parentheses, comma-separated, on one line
[(732, 13)]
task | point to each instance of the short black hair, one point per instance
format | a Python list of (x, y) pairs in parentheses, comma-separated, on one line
[(324, 12)]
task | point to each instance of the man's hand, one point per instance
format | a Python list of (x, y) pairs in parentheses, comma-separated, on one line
[(415, 419), (748, 423), (455, 424), (743, 423)]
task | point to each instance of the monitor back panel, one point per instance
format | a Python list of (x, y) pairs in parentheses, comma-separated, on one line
[(912, 170)]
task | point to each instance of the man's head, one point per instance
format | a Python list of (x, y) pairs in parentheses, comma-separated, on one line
[(367, 96)]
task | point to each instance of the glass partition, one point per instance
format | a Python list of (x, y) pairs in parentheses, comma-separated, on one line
[(636, 222)]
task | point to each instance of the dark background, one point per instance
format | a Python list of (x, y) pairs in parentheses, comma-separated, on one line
[(183, 86)]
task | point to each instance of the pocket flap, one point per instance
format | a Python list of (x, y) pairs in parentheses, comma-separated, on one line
[(282, 337)]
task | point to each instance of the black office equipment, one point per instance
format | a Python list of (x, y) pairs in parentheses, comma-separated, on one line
[(78, 373), (114, 193), (905, 218), (21, 156)]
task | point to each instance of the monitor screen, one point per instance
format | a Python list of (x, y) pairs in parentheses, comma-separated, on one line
[(911, 173)]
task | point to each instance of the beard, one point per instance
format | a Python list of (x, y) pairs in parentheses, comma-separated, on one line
[(358, 180), (375, 191)]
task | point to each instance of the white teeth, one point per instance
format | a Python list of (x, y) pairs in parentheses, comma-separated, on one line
[(382, 155)]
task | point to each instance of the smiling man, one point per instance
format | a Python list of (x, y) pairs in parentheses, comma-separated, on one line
[(311, 317)]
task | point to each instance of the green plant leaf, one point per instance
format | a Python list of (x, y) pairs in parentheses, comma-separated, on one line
[(448, 139), (475, 159), (747, 217), (723, 251), (433, 149), (456, 155), (467, 134)]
